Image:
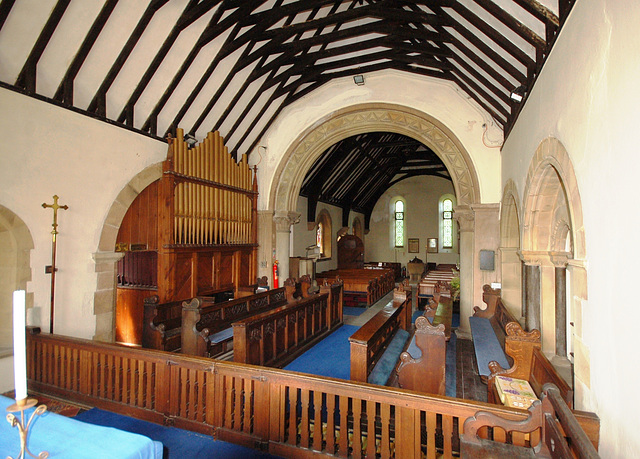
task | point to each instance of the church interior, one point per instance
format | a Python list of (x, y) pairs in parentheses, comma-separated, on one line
[(232, 183)]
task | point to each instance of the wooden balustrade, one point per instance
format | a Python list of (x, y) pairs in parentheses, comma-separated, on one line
[(275, 337), (254, 405)]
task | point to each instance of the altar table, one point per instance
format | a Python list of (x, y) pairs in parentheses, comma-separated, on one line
[(67, 438)]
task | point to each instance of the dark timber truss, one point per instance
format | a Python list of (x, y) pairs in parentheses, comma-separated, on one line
[(234, 65)]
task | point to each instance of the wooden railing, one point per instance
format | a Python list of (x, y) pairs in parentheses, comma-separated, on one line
[(274, 410), (248, 404)]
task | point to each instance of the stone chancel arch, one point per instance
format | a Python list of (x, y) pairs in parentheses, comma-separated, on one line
[(369, 118), (374, 117)]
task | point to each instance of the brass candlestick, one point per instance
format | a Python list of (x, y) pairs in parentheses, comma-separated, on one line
[(22, 406)]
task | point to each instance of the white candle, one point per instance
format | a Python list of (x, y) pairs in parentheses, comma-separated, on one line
[(19, 344)]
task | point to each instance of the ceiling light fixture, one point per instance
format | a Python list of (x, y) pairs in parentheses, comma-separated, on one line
[(359, 80), (517, 94), (191, 140)]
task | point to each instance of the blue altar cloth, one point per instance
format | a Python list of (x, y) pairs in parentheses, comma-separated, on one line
[(67, 438)]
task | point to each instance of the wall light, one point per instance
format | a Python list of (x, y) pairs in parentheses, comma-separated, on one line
[(359, 80), (518, 94)]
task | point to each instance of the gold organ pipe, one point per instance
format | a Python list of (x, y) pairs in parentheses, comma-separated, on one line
[(204, 213)]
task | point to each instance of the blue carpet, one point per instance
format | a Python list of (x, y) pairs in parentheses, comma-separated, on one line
[(353, 311), (330, 357), (178, 443)]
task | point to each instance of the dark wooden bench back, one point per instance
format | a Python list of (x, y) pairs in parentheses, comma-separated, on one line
[(369, 342), (200, 319), (162, 323), (275, 337)]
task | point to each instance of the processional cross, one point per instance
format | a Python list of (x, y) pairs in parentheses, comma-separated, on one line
[(52, 269)]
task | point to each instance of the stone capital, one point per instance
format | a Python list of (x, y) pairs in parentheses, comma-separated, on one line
[(284, 220), (560, 259), (535, 257), (465, 217), (106, 257)]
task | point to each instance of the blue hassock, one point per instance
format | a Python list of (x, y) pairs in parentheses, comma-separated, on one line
[(486, 345), (382, 370), (450, 367), (221, 335)]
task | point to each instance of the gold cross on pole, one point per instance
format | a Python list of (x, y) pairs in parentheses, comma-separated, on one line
[(55, 206)]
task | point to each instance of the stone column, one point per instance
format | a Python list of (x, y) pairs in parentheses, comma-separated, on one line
[(104, 298), (486, 236), (560, 263), (266, 243), (465, 218), (531, 291), (283, 221)]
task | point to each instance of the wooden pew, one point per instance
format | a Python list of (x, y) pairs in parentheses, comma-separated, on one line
[(395, 266), (523, 349), (383, 337), (163, 321), (276, 337), (363, 286), (422, 366), (206, 326), (562, 434), (489, 329), (251, 405)]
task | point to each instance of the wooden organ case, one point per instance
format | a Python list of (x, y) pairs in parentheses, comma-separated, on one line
[(191, 233)]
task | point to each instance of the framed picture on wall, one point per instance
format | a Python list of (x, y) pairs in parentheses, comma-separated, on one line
[(414, 245), (432, 245)]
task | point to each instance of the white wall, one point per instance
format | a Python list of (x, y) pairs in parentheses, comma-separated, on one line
[(421, 196), (303, 238), (48, 150), (6, 374), (587, 96), (436, 98)]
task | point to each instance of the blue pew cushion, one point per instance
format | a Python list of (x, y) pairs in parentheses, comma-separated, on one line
[(221, 336), (486, 345), (387, 362)]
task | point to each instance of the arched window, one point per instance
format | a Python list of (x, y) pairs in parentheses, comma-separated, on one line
[(446, 220), (323, 233), (398, 216), (357, 228)]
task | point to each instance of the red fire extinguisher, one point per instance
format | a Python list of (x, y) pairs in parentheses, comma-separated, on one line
[(275, 274)]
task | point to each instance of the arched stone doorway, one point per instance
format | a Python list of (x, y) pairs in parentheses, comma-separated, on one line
[(106, 258), (510, 250), (553, 250), (16, 244), (285, 187)]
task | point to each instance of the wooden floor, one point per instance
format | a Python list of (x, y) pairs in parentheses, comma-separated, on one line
[(468, 383)]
